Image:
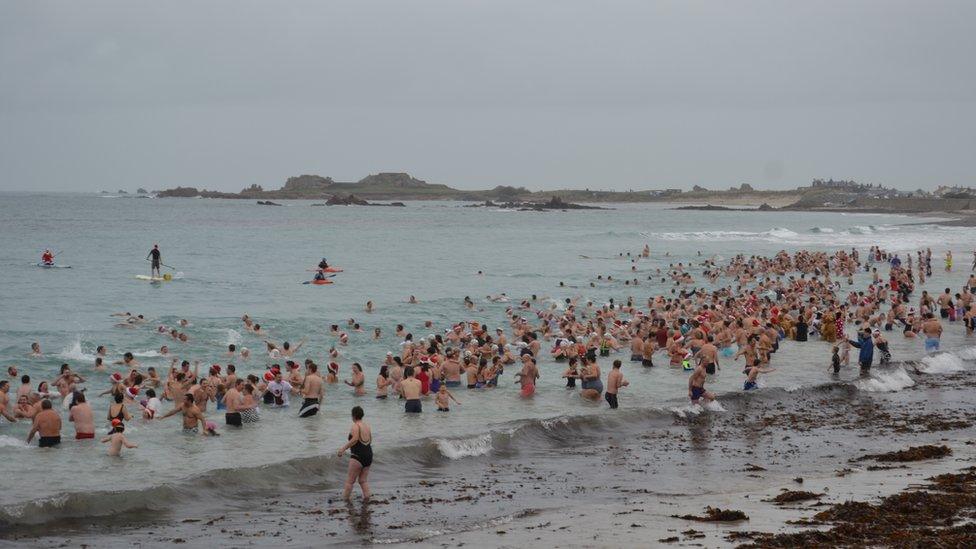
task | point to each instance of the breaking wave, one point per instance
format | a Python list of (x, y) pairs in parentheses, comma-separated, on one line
[(894, 238), (942, 363), (885, 381)]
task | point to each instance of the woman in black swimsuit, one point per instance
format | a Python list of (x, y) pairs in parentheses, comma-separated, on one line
[(361, 447), (118, 410)]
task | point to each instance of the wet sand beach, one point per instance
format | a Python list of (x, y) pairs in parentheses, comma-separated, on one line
[(618, 480)]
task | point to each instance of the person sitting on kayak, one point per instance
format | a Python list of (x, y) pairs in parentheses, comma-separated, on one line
[(319, 275), (47, 258), (323, 264)]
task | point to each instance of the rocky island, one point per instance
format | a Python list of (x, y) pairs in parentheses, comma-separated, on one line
[(820, 195), (554, 203), (353, 200), (383, 186), (764, 207)]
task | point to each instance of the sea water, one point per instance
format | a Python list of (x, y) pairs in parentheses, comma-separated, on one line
[(238, 257)]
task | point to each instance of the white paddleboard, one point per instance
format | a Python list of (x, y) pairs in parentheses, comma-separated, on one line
[(152, 278)]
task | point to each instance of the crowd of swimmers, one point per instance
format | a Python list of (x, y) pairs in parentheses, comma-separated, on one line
[(767, 300)]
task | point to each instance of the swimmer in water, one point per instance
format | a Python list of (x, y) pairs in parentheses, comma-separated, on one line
[(5, 402), (696, 386), (752, 375), (117, 440), (528, 376), (443, 398), (193, 419), (615, 380), (358, 379)]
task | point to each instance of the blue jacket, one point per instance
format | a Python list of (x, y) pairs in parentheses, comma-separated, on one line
[(866, 345)]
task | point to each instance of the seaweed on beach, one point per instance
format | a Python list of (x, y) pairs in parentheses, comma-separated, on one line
[(714, 514), (934, 514), (954, 482), (792, 496), (914, 453)]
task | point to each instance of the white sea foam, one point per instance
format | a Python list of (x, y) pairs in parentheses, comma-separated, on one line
[(697, 409), (12, 442), (147, 354), (774, 234), (233, 337), (548, 424), (966, 353), (942, 363), (75, 352), (685, 411), (885, 382), (465, 447), (713, 406), (894, 238)]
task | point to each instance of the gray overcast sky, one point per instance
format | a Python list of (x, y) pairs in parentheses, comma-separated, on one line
[(600, 94)]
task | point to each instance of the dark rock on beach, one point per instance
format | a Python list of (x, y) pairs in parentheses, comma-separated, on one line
[(267, 203)]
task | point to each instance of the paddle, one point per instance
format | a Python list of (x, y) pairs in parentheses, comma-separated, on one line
[(326, 276), (163, 264)]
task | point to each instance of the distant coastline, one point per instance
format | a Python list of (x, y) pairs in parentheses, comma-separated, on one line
[(820, 195)]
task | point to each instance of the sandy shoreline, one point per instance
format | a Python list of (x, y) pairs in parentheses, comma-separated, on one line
[(617, 481)]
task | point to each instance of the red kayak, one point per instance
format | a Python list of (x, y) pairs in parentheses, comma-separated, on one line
[(318, 282), (332, 270)]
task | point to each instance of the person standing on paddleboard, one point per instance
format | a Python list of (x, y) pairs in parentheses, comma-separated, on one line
[(156, 258)]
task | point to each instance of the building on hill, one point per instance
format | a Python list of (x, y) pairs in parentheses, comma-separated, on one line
[(843, 185)]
